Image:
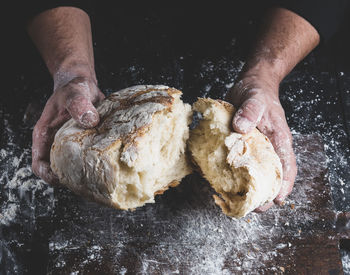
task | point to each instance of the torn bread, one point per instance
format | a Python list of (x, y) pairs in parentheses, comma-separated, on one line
[(243, 169), (136, 151)]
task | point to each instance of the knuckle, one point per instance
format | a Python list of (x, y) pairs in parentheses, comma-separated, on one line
[(37, 131), (76, 107), (62, 113), (35, 154), (253, 105), (72, 98), (239, 92), (77, 100), (280, 135), (42, 132), (242, 91)]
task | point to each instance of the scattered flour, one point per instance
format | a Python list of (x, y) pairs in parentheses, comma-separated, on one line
[(346, 261), (23, 197), (187, 235), (19, 185)]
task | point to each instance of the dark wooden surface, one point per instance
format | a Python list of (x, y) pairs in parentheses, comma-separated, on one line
[(185, 232), (200, 51)]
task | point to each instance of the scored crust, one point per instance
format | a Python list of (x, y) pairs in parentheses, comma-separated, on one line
[(123, 100), (91, 162)]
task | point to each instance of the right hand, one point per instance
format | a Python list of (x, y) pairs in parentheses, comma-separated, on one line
[(258, 105), (74, 99)]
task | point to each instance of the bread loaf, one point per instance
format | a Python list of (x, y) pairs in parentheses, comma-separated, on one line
[(139, 147), (136, 151), (243, 169)]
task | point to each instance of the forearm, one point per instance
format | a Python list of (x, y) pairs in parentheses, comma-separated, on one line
[(63, 38), (286, 38)]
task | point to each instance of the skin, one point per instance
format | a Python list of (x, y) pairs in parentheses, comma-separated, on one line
[(285, 39), (63, 37)]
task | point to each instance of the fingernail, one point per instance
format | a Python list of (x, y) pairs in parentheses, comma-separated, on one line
[(284, 192), (89, 119), (243, 124), (280, 201)]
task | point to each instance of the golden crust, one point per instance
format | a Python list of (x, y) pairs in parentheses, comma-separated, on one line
[(228, 106), (125, 103), (126, 140), (174, 183)]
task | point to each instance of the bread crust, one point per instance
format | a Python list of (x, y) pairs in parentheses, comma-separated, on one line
[(87, 161)]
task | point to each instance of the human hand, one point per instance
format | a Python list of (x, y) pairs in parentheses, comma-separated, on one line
[(256, 98), (73, 99)]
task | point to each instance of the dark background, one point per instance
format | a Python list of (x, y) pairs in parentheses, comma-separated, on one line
[(198, 49)]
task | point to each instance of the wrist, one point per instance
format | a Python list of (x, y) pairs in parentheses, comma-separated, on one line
[(259, 79), (68, 73), (271, 70)]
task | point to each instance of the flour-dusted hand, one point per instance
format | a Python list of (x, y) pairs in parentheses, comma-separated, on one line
[(74, 99), (285, 39), (63, 38), (256, 99)]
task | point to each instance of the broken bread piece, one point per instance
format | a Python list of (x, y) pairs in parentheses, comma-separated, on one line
[(136, 151), (243, 169)]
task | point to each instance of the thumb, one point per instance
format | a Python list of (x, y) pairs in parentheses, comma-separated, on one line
[(83, 111), (248, 115)]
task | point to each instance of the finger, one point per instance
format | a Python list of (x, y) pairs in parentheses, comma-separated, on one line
[(42, 140), (83, 111), (264, 207), (101, 96), (286, 189), (248, 115), (43, 170), (282, 143), (289, 173), (285, 151)]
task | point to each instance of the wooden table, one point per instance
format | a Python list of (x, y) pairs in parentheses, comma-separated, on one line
[(184, 232)]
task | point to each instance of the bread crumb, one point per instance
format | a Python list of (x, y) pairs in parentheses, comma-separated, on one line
[(248, 220), (282, 269), (292, 206)]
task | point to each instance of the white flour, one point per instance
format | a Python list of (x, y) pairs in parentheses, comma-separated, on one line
[(194, 237), (19, 187), (346, 262)]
